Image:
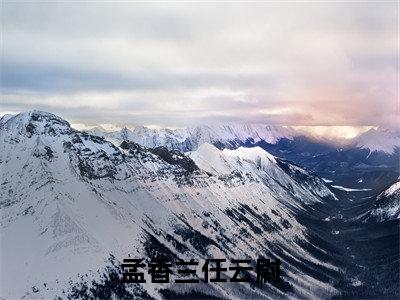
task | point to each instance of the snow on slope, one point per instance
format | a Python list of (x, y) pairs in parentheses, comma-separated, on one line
[(5, 118), (70, 200), (380, 139), (251, 154), (387, 205), (211, 159), (392, 190)]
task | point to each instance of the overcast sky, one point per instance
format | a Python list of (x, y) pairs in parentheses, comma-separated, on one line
[(174, 64)]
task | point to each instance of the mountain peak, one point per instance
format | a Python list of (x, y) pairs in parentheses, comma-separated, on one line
[(252, 153), (36, 121)]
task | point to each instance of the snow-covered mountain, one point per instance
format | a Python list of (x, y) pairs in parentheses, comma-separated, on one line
[(188, 139), (73, 205), (380, 139)]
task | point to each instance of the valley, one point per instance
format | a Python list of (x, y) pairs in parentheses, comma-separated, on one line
[(368, 250)]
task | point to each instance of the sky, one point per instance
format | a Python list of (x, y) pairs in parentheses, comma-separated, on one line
[(173, 64)]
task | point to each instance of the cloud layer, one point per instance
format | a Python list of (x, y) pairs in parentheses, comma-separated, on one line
[(175, 64)]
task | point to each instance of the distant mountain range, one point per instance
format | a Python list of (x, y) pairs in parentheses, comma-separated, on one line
[(192, 137), (235, 135)]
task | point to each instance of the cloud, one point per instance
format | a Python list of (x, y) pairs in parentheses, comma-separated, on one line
[(176, 64)]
